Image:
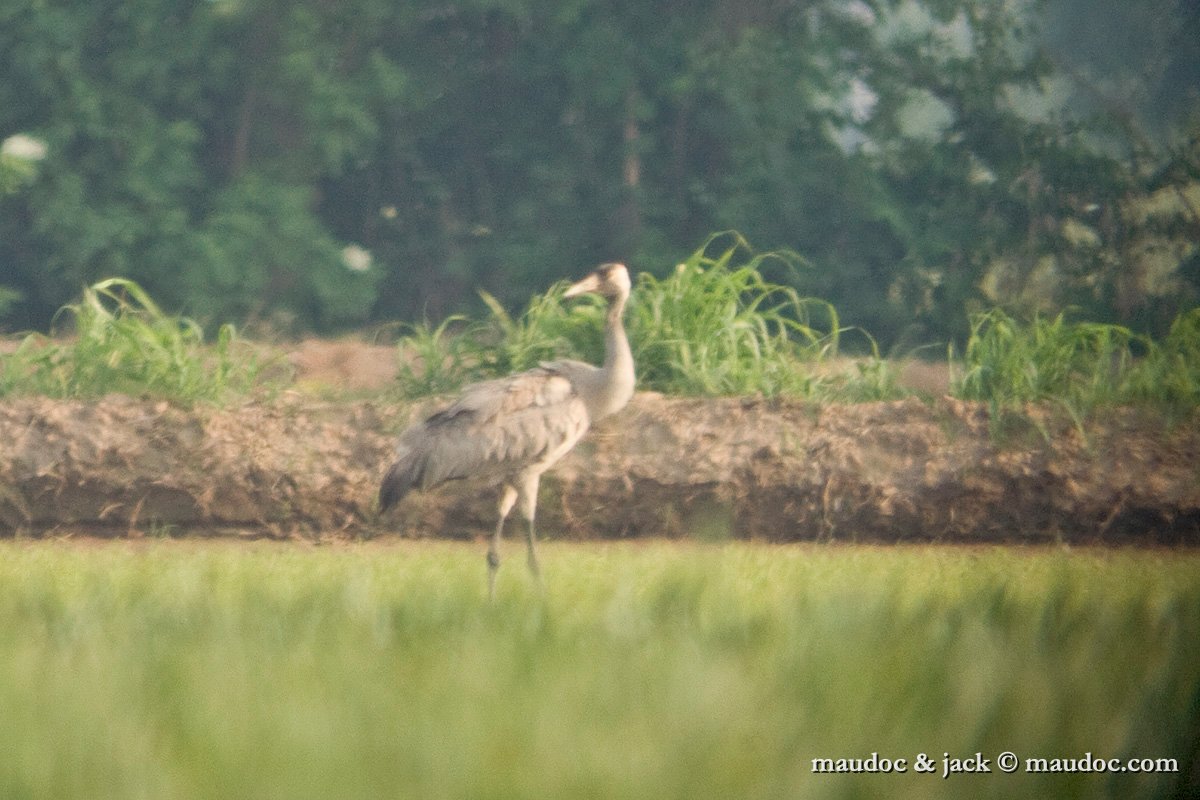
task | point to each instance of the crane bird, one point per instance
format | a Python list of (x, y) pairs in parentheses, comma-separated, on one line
[(514, 429)]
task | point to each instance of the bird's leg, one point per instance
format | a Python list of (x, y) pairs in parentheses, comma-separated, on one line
[(507, 499), (531, 540), (529, 490)]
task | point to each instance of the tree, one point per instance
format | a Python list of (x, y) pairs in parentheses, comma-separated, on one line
[(318, 165), (131, 99)]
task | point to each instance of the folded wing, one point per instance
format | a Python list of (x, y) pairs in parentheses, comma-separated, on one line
[(496, 428)]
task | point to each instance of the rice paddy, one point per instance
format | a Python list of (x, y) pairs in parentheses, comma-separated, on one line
[(192, 669)]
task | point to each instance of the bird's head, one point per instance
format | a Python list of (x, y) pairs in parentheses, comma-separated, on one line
[(609, 280)]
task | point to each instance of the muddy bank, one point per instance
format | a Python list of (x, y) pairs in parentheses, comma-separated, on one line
[(671, 467)]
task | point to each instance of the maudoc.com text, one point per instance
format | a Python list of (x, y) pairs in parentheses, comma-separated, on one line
[(1006, 762)]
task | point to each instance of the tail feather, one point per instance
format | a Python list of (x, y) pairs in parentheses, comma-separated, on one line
[(401, 477)]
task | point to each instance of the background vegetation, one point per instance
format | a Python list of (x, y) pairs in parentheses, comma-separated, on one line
[(716, 326), (313, 166), (123, 342), (195, 670)]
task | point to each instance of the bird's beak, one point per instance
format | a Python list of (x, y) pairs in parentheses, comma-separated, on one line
[(589, 284)]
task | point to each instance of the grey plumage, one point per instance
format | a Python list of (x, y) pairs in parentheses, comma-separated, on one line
[(513, 429), (495, 428)]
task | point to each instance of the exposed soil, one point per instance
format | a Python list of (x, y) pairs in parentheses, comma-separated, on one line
[(747, 468)]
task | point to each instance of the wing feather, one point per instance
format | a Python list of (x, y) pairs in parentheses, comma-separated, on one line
[(494, 428)]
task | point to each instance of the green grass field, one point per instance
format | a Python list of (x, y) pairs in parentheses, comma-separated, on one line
[(168, 669)]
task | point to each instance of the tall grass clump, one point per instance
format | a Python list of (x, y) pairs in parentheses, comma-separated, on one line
[(119, 340), (434, 359), (1169, 375), (1079, 367), (437, 360), (545, 330), (714, 326)]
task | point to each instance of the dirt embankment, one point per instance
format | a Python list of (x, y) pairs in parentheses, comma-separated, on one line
[(664, 467)]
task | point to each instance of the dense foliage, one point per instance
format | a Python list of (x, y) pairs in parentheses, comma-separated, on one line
[(314, 165)]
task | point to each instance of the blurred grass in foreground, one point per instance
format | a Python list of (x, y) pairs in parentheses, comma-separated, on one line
[(196, 670)]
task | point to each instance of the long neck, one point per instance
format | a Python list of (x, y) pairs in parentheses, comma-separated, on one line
[(617, 372)]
